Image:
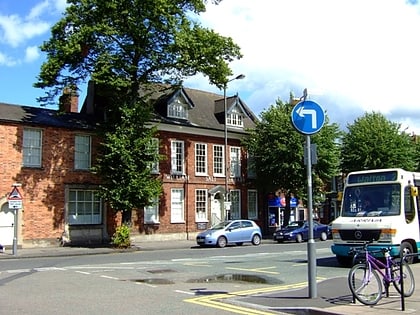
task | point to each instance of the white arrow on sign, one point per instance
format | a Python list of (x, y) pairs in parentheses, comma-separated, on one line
[(302, 112)]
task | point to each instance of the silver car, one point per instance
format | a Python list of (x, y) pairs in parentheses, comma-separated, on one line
[(231, 232)]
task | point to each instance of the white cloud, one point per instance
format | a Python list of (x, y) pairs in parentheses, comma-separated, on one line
[(7, 61), (31, 54), (60, 5), (38, 10), (362, 55), (15, 31)]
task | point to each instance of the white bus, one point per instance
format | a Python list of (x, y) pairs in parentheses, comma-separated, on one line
[(380, 206)]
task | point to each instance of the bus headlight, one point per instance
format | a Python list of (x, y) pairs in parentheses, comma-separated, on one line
[(335, 234), (387, 234)]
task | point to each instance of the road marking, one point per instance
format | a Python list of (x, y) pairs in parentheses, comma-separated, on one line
[(216, 301), (197, 264), (185, 292), (49, 269), (20, 270), (260, 270), (83, 272), (146, 284), (109, 277)]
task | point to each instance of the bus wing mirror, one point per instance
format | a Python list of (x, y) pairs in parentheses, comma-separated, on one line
[(414, 191)]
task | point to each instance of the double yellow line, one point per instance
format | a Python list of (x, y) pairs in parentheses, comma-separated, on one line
[(216, 300)]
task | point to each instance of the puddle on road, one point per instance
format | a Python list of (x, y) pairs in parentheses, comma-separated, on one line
[(154, 281), (236, 278)]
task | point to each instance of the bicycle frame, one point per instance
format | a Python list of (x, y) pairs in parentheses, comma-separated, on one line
[(374, 275), (384, 269), (379, 266)]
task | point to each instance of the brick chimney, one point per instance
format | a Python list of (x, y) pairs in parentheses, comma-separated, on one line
[(69, 101)]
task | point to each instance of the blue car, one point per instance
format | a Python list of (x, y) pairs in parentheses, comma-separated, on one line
[(298, 231), (231, 232)]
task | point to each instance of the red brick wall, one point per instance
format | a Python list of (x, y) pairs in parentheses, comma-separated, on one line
[(189, 184), (42, 188)]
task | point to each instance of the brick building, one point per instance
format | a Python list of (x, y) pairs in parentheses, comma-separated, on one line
[(50, 154)]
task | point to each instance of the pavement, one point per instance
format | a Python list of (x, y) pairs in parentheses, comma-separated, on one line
[(332, 295)]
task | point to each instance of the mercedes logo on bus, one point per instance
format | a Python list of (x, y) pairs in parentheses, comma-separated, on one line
[(358, 235)]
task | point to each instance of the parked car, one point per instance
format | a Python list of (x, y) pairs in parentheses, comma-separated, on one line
[(231, 232), (298, 231)]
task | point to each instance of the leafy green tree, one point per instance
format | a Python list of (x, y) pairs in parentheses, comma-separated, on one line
[(416, 141), (278, 154), (374, 142), (124, 46)]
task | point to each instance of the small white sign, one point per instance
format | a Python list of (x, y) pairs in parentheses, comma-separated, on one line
[(15, 204)]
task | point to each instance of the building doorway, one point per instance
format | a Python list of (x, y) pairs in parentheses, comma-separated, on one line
[(7, 219)]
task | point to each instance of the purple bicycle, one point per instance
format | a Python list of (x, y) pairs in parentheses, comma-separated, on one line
[(364, 280)]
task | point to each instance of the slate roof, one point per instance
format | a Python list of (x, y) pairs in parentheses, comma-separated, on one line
[(41, 116), (207, 110)]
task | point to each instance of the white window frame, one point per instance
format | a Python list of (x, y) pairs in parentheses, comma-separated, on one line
[(32, 147), (82, 152), (177, 157), (201, 205), (84, 206), (151, 212), (201, 159), (252, 204), (178, 109), (235, 206), (177, 205), (235, 118), (235, 162), (218, 160)]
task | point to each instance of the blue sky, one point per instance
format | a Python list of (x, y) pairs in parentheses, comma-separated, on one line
[(353, 56)]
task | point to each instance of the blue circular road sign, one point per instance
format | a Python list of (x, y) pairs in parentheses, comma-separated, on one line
[(308, 117)]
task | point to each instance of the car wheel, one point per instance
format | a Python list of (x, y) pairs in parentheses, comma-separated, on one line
[(324, 236), (221, 242), (299, 238), (256, 240)]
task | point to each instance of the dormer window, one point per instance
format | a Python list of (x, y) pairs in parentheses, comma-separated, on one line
[(177, 109), (235, 118)]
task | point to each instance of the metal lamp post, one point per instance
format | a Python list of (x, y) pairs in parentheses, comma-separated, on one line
[(239, 77)]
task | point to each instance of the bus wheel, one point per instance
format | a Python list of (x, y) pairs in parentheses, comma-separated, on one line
[(406, 249)]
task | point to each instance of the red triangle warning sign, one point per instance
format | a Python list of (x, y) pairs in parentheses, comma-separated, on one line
[(15, 194)]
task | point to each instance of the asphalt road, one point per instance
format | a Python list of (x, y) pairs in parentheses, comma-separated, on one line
[(176, 281)]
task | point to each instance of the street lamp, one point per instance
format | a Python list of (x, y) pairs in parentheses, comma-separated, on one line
[(239, 77)]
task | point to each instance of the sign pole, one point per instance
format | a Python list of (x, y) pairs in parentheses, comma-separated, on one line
[(308, 118), (15, 203), (311, 243), (15, 232)]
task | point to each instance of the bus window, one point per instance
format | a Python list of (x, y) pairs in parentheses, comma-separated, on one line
[(383, 200), (408, 205)]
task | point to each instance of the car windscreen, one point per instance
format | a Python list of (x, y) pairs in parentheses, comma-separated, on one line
[(294, 225), (219, 226)]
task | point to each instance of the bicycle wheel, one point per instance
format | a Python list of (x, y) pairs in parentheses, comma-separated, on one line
[(408, 278), (365, 284)]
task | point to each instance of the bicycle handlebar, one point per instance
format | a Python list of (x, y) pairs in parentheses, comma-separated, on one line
[(361, 249)]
